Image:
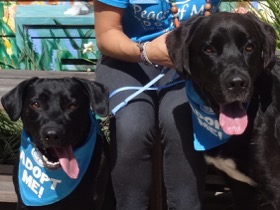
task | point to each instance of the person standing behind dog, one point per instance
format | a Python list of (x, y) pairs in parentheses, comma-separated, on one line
[(131, 37)]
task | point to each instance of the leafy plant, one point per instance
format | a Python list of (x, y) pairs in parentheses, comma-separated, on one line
[(55, 50), (9, 138), (269, 12), (8, 47)]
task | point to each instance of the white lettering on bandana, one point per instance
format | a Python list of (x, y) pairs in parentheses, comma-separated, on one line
[(207, 132), (40, 186)]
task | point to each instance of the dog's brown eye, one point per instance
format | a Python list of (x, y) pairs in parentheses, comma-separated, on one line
[(35, 105), (208, 49), (249, 47), (72, 106)]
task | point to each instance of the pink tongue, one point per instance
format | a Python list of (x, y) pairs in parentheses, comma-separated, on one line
[(233, 118), (68, 161)]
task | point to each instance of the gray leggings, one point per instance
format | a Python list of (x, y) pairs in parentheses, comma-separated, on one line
[(165, 113)]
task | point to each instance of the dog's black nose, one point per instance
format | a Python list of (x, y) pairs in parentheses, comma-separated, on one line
[(51, 135), (236, 83)]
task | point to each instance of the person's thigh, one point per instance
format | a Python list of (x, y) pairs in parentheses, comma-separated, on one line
[(184, 168), (133, 131)]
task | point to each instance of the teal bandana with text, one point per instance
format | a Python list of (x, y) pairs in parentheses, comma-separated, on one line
[(207, 131)]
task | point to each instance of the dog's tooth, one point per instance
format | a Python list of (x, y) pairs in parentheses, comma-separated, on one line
[(50, 162), (56, 163), (45, 158), (53, 164)]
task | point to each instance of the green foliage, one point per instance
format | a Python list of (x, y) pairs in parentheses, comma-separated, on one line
[(52, 50), (270, 14), (54, 47), (8, 47), (9, 138)]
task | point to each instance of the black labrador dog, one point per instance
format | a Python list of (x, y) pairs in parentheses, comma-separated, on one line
[(233, 85), (62, 163)]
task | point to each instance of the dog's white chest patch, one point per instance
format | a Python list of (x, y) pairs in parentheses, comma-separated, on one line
[(228, 166)]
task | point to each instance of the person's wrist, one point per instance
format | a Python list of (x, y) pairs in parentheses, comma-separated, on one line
[(143, 53)]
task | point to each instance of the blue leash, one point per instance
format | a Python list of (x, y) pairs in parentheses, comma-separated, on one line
[(140, 90)]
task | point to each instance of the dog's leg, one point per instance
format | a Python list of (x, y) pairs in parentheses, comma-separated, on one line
[(276, 202), (271, 195), (244, 196)]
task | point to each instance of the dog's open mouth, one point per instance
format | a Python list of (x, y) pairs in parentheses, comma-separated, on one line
[(55, 157), (233, 118)]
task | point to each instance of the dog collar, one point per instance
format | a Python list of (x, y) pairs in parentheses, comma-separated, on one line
[(207, 133), (40, 186)]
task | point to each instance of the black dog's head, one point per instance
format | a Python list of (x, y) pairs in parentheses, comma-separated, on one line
[(56, 114), (224, 55)]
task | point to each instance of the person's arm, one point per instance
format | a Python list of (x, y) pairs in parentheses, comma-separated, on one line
[(112, 41)]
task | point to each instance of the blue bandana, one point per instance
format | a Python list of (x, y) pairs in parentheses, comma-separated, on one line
[(207, 132), (39, 186)]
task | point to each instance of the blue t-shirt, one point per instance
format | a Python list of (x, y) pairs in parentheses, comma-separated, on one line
[(145, 20)]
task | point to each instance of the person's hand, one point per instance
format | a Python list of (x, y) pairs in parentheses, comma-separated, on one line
[(157, 52)]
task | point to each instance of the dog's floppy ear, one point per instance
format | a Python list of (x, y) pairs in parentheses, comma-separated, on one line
[(177, 43), (12, 101), (99, 96), (269, 42)]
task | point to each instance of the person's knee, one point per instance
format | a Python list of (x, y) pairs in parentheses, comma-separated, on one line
[(133, 136)]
